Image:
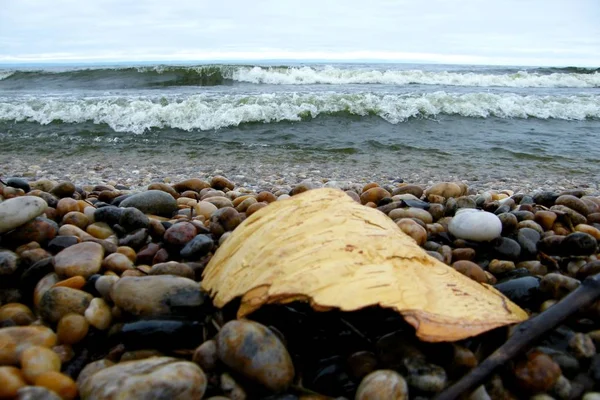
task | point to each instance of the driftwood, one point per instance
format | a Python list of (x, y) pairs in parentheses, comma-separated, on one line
[(526, 334)]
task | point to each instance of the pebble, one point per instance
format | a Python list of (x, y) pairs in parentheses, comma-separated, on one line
[(444, 189), (98, 314), (193, 184), (537, 373), (40, 230), (18, 313), (18, 338), (498, 267), (11, 379), (60, 301), (179, 234), (151, 378), (154, 202), (84, 259), (100, 230), (411, 212), (172, 268), (60, 243), (63, 189), (198, 247), (382, 384), (507, 249), (219, 182), (413, 229), (135, 239), (131, 219), (206, 355), (118, 263), (374, 195), (72, 328), (255, 352), (478, 226), (224, 220), (579, 244), (159, 295), (36, 360), (470, 269), (557, 285), (9, 262), (58, 383), (19, 210), (573, 203)]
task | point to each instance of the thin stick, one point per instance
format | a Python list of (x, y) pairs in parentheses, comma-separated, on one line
[(525, 335)]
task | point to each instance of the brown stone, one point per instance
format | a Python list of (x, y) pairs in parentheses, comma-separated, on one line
[(573, 203), (470, 269), (164, 188), (220, 182), (465, 253), (82, 259), (173, 268), (537, 373), (15, 339), (415, 190), (193, 184), (60, 301), (374, 195)]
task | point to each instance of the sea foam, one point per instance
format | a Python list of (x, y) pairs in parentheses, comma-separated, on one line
[(207, 112)]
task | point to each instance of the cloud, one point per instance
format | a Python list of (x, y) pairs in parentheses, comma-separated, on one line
[(478, 31)]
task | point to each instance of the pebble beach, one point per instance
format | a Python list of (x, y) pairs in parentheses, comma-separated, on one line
[(101, 295)]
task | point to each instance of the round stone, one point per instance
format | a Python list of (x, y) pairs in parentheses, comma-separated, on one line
[(84, 259), (382, 384), (478, 226), (60, 301), (156, 377), (72, 328), (255, 352), (154, 202), (19, 210)]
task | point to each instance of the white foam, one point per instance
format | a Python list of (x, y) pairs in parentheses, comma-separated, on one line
[(206, 112), (340, 76), (5, 74)]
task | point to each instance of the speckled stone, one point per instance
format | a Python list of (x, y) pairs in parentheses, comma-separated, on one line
[(156, 378), (82, 259)]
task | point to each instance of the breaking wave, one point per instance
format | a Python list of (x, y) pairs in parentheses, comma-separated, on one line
[(208, 112), (211, 75)]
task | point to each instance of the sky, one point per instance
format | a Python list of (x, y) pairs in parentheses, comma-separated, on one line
[(506, 32)]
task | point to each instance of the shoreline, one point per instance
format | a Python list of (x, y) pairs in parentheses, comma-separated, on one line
[(137, 174)]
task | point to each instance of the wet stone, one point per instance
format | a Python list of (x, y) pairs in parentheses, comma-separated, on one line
[(198, 247), (507, 249), (135, 239), (82, 259), (224, 220), (60, 243), (19, 210), (528, 239), (573, 203), (538, 373), (425, 377), (179, 234), (545, 218), (40, 230), (18, 183), (156, 377), (382, 384), (557, 285), (545, 198), (523, 291), (16, 339), (154, 202), (582, 346), (470, 269), (206, 355), (160, 295), (172, 268), (60, 301), (498, 267), (509, 222), (255, 352), (110, 215), (220, 183), (9, 262), (36, 393), (479, 226), (160, 334), (131, 219), (63, 189), (579, 244)]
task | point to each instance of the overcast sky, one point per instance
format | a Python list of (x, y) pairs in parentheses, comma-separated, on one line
[(516, 32)]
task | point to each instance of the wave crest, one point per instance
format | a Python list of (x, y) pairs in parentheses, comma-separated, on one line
[(208, 112)]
